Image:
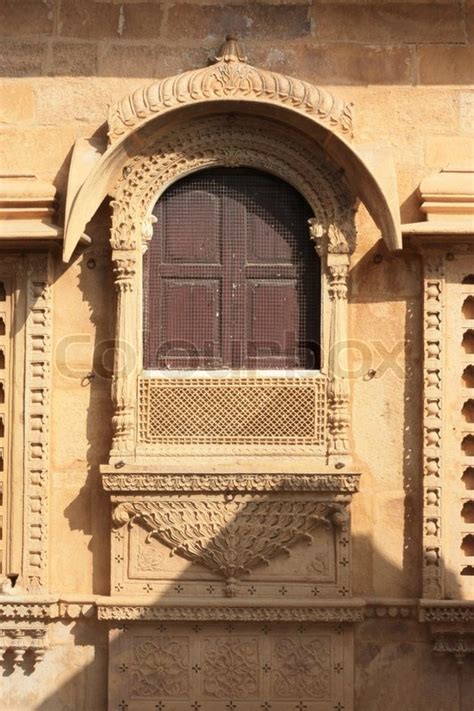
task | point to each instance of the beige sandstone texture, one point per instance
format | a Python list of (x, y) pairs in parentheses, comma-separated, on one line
[(375, 612)]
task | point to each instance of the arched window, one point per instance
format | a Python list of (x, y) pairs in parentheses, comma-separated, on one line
[(231, 278)]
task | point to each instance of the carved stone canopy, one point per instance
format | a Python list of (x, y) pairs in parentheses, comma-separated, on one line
[(229, 85)]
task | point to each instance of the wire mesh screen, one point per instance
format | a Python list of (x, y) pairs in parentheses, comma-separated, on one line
[(231, 276)]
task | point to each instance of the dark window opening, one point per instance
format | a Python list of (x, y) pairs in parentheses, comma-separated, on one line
[(231, 277)]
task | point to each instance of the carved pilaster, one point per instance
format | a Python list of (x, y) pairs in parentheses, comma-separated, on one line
[(338, 387), (36, 418), (334, 244), (123, 387), (433, 586)]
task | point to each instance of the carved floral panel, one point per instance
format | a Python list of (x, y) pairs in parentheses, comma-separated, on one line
[(238, 666), (213, 547)]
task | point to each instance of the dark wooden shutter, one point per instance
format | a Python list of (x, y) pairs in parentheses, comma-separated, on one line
[(231, 279)]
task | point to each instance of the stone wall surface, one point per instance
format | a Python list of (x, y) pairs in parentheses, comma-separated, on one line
[(409, 69)]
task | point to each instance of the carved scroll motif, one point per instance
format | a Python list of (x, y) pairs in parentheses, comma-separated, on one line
[(230, 77)]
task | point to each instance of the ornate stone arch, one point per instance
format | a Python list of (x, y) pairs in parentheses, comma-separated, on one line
[(215, 141), (228, 114), (218, 140), (230, 85)]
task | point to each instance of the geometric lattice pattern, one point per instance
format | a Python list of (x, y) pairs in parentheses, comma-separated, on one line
[(232, 411)]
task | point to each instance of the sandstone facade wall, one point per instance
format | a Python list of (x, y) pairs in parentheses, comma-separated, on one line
[(408, 68)]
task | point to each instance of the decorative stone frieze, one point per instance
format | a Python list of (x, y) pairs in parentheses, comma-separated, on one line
[(132, 482), (231, 664), (274, 546)]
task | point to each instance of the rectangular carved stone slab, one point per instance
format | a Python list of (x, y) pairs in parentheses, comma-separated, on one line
[(231, 666)]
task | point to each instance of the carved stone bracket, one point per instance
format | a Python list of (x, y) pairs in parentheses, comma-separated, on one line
[(232, 537)]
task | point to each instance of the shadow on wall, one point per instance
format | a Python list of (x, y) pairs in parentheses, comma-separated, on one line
[(394, 665), (89, 511)]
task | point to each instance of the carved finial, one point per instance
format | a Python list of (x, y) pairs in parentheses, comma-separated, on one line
[(231, 51)]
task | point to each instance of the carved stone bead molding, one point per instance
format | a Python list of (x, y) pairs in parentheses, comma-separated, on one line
[(36, 417), (433, 306), (347, 483), (230, 77), (349, 613), (230, 538), (235, 141)]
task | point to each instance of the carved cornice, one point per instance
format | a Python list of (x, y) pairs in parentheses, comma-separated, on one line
[(118, 612), (446, 613), (338, 483), (230, 78)]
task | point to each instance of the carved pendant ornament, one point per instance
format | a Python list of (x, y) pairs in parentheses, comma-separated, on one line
[(230, 538)]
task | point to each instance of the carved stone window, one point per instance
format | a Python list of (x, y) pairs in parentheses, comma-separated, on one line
[(235, 119), (231, 278)]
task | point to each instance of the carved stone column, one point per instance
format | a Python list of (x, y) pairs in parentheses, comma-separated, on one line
[(335, 244), (123, 387), (338, 387)]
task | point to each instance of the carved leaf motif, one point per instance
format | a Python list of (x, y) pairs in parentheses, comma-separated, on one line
[(230, 667), (160, 667), (230, 538), (302, 668), (227, 79)]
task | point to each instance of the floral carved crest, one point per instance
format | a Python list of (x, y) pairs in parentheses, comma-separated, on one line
[(229, 77)]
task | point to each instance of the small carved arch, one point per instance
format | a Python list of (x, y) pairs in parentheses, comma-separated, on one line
[(254, 143)]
